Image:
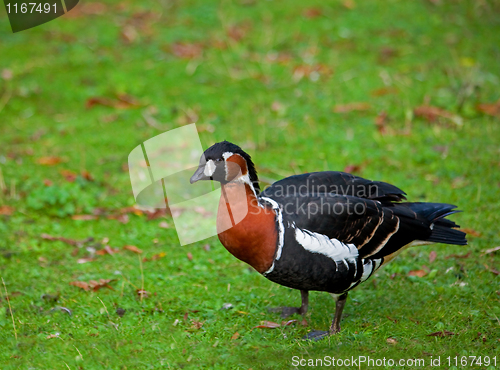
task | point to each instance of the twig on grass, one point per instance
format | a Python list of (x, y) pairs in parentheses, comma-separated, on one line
[(10, 308)]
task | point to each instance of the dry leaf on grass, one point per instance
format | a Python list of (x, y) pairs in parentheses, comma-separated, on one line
[(312, 13), (350, 107), (196, 324), (85, 260), (459, 255), (93, 285), (107, 250), (154, 257), (350, 168), (186, 50), (471, 232), (431, 114), (267, 325), (492, 109), (49, 161), (381, 122), (432, 256), (67, 240), (6, 210), (491, 250), (443, 333), (122, 101), (492, 270), (84, 217), (132, 248), (419, 273), (235, 336), (70, 176)]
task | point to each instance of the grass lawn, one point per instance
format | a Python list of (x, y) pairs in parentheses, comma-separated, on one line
[(399, 91)]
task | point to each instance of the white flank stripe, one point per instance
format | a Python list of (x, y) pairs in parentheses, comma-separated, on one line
[(319, 243)]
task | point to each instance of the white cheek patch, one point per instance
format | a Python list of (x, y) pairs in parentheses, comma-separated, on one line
[(209, 168)]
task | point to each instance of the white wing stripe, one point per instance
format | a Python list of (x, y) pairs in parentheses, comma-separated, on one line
[(319, 243)]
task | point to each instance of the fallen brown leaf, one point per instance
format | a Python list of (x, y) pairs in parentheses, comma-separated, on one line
[(431, 114), (268, 325), (492, 270), (352, 168), (80, 284), (349, 4), (107, 250), (459, 255), (102, 283), (6, 210), (492, 109), (235, 336), (432, 256), (491, 250), (471, 232), (129, 33), (311, 71), (350, 107), (155, 257), (49, 161), (384, 91), (392, 341), (287, 323), (86, 175), (381, 122), (190, 256), (84, 217), (443, 333), (122, 101), (123, 218), (186, 50), (85, 260), (196, 324), (133, 248), (238, 31), (68, 175), (419, 273), (312, 13), (67, 240)]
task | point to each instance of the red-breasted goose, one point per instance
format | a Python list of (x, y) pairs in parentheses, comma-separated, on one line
[(324, 231)]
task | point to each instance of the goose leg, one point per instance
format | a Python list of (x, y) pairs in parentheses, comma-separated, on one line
[(302, 310), (335, 327)]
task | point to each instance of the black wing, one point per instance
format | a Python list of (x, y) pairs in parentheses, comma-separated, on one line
[(376, 229), (331, 182)]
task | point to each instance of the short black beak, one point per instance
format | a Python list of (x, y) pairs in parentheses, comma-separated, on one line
[(199, 175)]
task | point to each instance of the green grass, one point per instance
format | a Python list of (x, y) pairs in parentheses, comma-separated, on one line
[(445, 54)]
